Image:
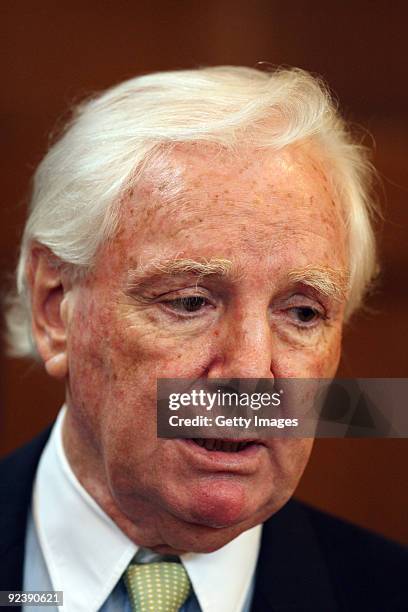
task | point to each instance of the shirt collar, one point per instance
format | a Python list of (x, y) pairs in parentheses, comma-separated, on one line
[(86, 553), (222, 579)]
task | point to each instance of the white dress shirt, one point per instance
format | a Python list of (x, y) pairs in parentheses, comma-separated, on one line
[(85, 554)]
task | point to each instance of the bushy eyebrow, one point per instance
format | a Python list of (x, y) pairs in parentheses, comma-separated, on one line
[(176, 267), (330, 282)]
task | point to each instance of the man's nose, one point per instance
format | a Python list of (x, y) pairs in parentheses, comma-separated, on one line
[(245, 349)]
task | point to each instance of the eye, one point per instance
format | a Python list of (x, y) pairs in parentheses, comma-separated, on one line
[(191, 303), (305, 315)]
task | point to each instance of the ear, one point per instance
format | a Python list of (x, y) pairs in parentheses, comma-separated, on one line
[(49, 309)]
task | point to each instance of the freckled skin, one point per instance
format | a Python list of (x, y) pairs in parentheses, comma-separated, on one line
[(267, 212)]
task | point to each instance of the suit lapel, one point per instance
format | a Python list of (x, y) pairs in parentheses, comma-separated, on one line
[(17, 474), (291, 572)]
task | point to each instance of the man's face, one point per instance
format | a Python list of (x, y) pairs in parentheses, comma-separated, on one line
[(142, 315)]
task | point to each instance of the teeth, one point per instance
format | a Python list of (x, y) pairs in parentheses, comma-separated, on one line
[(221, 445)]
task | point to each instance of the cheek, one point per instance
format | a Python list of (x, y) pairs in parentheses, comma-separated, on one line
[(111, 386), (330, 352), (89, 372), (324, 363), (295, 454), (311, 360), (154, 353)]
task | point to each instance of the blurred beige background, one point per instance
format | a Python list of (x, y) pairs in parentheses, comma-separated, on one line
[(55, 53)]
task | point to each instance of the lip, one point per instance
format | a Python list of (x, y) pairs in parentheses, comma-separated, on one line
[(245, 461)]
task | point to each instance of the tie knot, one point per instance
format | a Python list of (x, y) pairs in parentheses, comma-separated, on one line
[(161, 586)]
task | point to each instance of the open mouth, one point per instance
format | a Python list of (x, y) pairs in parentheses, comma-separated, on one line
[(225, 446)]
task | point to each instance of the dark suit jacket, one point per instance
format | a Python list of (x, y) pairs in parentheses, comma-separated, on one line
[(308, 561)]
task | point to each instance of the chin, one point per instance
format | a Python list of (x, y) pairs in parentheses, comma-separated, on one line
[(199, 539), (205, 536), (218, 513), (219, 504)]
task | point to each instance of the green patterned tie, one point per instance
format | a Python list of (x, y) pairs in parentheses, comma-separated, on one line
[(162, 586)]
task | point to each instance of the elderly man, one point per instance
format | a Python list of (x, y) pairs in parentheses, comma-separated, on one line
[(211, 223)]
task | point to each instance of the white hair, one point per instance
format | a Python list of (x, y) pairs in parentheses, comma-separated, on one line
[(79, 183)]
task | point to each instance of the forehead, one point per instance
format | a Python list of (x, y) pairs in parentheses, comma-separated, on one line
[(264, 201)]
